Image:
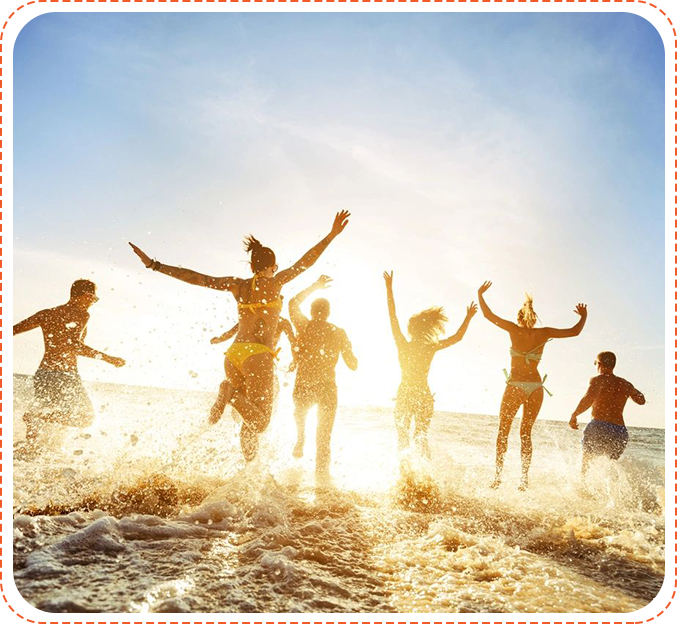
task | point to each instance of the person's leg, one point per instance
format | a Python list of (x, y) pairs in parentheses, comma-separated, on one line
[(48, 398), (82, 412), (302, 405), (234, 379), (31, 419), (326, 413), (422, 418), (532, 407), (585, 463), (512, 399), (256, 403), (403, 413), (618, 442)]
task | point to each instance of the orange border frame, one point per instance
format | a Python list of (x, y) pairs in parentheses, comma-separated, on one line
[(16, 20)]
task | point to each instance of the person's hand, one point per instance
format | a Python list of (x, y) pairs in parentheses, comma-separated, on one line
[(340, 222), (471, 310), (484, 287), (147, 261), (388, 277), (216, 340), (581, 309), (115, 361), (573, 422), (324, 281)]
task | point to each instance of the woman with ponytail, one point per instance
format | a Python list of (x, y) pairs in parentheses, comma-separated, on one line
[(414, 399), (524, 386), (250, 361)]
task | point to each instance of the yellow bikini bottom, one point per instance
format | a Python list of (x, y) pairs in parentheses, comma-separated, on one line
[(240, 351)]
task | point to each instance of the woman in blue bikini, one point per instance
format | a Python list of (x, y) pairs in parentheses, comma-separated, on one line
[(524, 385)]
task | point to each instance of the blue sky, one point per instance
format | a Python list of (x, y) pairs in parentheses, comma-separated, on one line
[(523, 148)]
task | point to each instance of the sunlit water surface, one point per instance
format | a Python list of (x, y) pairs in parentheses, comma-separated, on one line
[(151, 510)]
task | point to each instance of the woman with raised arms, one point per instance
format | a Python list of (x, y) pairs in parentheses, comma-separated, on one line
[(250, 366), (414, 398), (524, 386)]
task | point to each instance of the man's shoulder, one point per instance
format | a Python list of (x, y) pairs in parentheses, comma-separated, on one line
[(53, 313), (68, 313), (625, 383), (338, 331)]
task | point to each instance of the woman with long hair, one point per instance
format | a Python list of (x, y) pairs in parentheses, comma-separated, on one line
[(524, 385), (250, 361), (414, 399)]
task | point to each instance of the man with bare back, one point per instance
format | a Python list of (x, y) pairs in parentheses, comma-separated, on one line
[(318, 347), (607, 394), (59, 394)]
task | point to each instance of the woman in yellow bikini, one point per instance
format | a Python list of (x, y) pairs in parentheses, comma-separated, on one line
[(524, 386), (283, 327), (250, 367)]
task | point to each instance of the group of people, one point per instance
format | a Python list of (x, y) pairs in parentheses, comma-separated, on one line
[(250, 362)]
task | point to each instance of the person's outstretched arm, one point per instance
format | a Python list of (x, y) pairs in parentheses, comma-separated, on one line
[(226, 335), (347, 351), (637, 396), (582, 310), (488, 314), (85, 351), (30, 323), (284, 327), (394, 323), (187, 275), (311, 256), (457, 337), (297, 317), (585, 403)]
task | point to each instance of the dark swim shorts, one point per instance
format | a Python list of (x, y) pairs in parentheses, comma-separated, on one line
[(60, 397), (605, 438)]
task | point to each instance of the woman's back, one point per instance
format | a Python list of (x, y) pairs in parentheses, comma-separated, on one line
[(526, 351), (415, 358), (259, 305)]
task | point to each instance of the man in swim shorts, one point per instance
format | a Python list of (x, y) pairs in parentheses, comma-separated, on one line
[(59, 396), (607, 394), (319, 344)]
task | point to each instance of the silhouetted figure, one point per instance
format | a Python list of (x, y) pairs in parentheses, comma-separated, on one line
[(250, 362), (59, 394), (283, 327), (414, 399), (319, 344), (524, 386), (607, 394)]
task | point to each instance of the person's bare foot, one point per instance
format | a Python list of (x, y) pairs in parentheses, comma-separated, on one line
[(496, 482), (524, 484)]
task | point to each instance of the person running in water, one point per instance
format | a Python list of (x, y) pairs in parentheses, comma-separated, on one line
[(283, 327), (59, 394), (524, 386), (250, 362), (414, 399), (319, 344), (607, 394)]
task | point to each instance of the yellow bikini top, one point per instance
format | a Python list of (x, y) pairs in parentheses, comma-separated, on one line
[(275, 304)]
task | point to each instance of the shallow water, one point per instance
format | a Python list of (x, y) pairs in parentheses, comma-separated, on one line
[(150, 510)]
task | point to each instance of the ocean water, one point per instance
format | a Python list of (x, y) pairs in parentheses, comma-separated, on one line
[(151, 510)]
